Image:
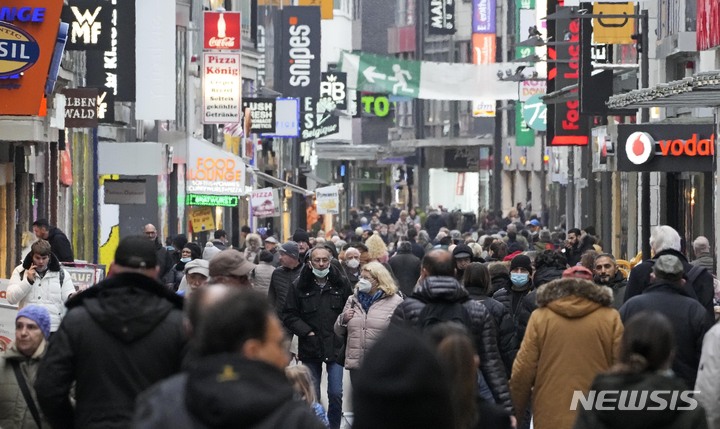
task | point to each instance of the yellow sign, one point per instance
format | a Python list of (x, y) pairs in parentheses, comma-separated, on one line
[(616, 31), (202, 219), (326, 7)]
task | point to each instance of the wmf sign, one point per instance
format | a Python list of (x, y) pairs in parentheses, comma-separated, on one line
[(90, 22)]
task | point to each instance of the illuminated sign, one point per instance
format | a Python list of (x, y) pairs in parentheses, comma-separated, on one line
[(221, 88), (212, 171), (22, 14), (18, 50), (222, 31), (378, 105), (90, 22), (211, 200), (666, 147)]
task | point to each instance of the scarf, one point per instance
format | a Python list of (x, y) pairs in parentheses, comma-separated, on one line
[(366, 300)]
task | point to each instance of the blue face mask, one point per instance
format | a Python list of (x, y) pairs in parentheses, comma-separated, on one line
[(185, 260), (519, 279), (321, 273)]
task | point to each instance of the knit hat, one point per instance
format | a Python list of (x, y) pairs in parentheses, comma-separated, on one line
[(461, 251), (301, 235), (578, 272), (37, 314), (291, 249), (392, 391), (210, 251), (521, 261), (136, 251), (376, 247)]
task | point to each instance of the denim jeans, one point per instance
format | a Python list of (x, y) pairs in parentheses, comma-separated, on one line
[(335, 388)]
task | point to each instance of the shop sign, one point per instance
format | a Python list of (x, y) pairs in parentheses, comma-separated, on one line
[(483, 16), (462, 158), (201, 219), (212, 200), (212, 171), (90, 23), (287, 122), (299, 65), (262, 203), (319, 118), (221, 88), (327, 200), (28, 36), (262, 114), (441, 19), (81, 108), (125, 192), (375, 104), (665, 147), (222, 31), (85, 275), (334, 86)]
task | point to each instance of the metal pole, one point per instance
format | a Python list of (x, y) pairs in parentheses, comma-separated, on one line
[(645, 118), (96, 192), (497, 160)]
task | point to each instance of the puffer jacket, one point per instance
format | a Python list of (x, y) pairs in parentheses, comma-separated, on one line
[(14, 412), (364, 328), (262, 276), (46, 292), (706, 384), (499, 281), (573, 335), (308, 308), (447, 289), (519, 307)]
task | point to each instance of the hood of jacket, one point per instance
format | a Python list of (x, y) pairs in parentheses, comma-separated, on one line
[(574, 298), (673, 252), (440, 288), (127, 305), (546, 275), (229, 391), (53, 264), (639, 418)]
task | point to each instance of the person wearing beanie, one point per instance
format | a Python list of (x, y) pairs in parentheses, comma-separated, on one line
[(41, 280), (210, 251), (22, 359), (513, 294), (117, 339), (302, 238), (392, 391), (462, 258)]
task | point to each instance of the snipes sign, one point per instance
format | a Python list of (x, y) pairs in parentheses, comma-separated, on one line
[(666, 147)]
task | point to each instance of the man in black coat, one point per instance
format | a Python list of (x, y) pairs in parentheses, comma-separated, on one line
[(238, 381), (406, 268), (665, 240), (417, 249), (312, 305), (118, 338), (59, 242), (437, 284), (667, 295), (164, 259), (284, 276)]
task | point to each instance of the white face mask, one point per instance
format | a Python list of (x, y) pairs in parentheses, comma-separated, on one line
[(364, 285), (353, 263)]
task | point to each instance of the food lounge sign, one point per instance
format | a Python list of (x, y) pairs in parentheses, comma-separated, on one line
[(212, 171), (666, 147)]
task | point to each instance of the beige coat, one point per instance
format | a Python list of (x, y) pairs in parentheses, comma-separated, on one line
[(573, 335), (364, 328), (14, 412)]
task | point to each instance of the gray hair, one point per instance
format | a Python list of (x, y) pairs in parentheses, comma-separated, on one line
[(665, 237), (701, 245)]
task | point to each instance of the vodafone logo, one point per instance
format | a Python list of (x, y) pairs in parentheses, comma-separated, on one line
[(639, 147)]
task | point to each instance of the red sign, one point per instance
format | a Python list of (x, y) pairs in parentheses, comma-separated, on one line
[(222, 31), (29, 32), (708, 24), (483, 46)]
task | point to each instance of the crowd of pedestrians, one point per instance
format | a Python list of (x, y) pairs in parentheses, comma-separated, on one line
[(440, 320)]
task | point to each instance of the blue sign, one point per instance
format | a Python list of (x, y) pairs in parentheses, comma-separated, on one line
[(22, 14), (18, 50), (483, 16)]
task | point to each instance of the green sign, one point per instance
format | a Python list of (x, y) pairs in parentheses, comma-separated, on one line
[(524, 136), (211, 200), (389, 74), (378, 105), (535, 113)]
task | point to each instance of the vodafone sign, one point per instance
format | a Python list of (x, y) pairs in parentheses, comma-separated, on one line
[(666, 147), (221, 31)]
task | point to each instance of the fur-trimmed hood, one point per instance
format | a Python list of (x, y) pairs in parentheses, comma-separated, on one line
[(574, 297)]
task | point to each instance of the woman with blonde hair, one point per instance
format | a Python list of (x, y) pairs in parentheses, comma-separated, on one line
[(301, 380), (367, 313)]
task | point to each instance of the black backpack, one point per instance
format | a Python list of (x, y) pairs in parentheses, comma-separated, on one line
[(438, 312)]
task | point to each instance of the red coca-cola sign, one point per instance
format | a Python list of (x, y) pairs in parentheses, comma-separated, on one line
[(222, 31)]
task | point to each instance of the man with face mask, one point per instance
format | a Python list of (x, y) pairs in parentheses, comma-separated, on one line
[(312, 305), (512, 296), (607, 274)]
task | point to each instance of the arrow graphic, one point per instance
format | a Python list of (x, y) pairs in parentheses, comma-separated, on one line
[(370, 74)]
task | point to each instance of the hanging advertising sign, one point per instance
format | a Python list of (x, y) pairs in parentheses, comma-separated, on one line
[(483, 16), (318, 118), (299, 65), (90, 22), (377, 105), (81, 108), (222, 31), (441, 19), (222, 77), (333, 85), (28, 34), (201, 219), (708, 24), (262, 203), (211, 200), (484, 50), (287, 122), (114, 69), (613, 30), (212, 171), (666, 147), (327, 200), (262, 114)]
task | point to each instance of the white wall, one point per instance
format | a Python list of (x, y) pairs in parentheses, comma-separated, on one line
[(443, 190)]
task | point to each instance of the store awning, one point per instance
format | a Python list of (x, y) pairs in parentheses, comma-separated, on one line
[(701, 90), (281, 183)]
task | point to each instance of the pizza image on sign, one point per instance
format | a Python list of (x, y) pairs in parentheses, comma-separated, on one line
[(18, 50)]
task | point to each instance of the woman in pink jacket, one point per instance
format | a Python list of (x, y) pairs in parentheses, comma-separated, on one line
[(367, 313)]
